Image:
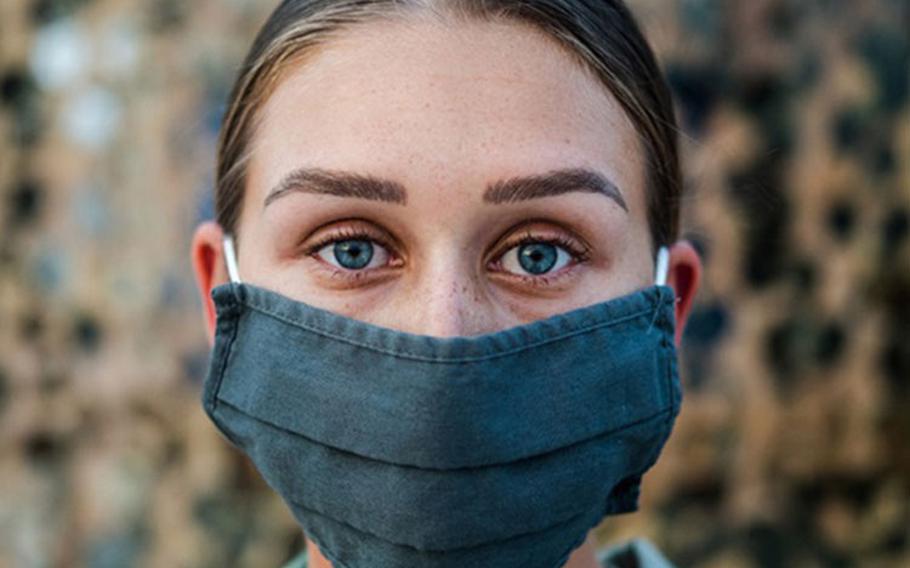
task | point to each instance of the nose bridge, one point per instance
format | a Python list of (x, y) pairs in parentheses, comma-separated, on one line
[(448, 299)]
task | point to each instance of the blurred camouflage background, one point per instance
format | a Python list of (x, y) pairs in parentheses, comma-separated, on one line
[(792, 447)]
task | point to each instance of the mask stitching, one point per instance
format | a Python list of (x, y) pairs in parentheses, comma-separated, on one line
[(609, 432), (579, 541), (414, 548), (657, 309), (417, 357), (672, 382), (224, 354)]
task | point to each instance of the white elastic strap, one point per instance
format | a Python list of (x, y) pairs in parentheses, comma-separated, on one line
[(663, 265), (230, 258)]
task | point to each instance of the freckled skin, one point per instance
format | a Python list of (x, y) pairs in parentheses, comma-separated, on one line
[(472, 116), (445, 110)]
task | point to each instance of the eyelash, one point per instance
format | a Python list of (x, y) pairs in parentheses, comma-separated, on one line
[(344, 234), (579, 254)]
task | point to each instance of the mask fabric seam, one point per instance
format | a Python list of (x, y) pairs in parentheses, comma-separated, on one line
[(670, 358), (657, 311), (671, 410), (414, 548), (225, 353), (613, 431), (578, 542), (445, 360)]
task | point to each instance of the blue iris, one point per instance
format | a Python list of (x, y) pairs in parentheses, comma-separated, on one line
[(353, 253), (537, 258)]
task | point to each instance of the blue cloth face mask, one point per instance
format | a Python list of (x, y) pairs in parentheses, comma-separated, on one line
[(397, 450)]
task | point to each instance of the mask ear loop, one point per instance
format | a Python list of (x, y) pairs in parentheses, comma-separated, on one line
[(230, 258), (662, 266), (660, 278), (662, 269)]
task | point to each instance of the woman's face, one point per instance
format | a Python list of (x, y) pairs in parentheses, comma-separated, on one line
[(444, 180)]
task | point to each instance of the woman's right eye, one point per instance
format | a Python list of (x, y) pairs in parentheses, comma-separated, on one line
[(354, 254)]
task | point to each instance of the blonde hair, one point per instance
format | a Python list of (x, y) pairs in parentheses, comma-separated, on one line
[(601, 35)]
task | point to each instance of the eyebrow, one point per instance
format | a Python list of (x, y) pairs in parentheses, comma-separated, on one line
[(339, 183), (511, 190), (555, 182)]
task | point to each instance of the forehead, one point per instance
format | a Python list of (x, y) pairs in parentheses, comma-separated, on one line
[(451, 104)]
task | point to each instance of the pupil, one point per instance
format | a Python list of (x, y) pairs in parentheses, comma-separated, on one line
[(353, 253), (537, 258)]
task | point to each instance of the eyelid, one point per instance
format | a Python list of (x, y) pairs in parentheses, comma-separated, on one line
[(360, 230), (579, 250)]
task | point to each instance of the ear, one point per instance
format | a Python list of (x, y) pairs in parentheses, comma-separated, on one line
[(684, 276), (209, 269)]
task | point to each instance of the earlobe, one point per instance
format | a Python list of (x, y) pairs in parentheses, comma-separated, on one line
[(208, 268), (684, 278)]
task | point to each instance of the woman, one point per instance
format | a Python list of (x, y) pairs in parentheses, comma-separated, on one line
[(444, 286)]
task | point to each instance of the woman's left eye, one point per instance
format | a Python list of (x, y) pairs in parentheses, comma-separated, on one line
[(535, 258), (354, 254)]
